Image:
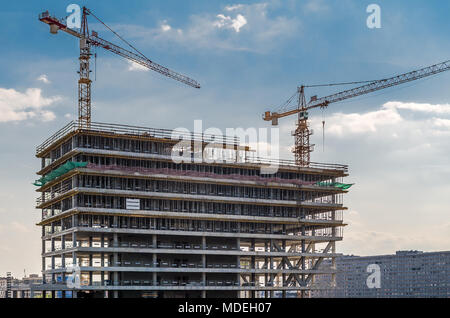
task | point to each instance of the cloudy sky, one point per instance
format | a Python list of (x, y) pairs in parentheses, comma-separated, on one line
[(249, 57)]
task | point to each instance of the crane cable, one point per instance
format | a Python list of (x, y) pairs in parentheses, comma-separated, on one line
[(343, 83), (289, 101), (115, 33), (95, 63), (323, 129)]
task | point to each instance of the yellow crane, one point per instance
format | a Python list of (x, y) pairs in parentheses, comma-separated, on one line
[(88, 40), (302, 148)]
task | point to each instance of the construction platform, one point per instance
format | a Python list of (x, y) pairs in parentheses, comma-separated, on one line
[(137, 224)]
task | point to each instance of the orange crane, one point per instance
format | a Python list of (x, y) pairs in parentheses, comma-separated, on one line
[(302, 148), (93, 40)]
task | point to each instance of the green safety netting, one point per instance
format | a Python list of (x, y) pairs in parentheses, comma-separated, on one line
[(63, 169), (343, 186)]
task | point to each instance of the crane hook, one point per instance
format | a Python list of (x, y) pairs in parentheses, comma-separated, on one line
[(323, 130), (323, 135)]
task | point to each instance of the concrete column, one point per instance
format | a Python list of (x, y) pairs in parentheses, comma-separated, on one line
[(115, 260), (53, 267), (266, 265), (271, 266), (90, 264), (74, 220), (43, 257), (74, 201), (283, 276), (63, 255), (238, 260), (204, 265), (303, 258), (333, 264), (253, 267), (204, 278), (75, 244), (52, 239), (52, 243), (154, 258), (102, 264)]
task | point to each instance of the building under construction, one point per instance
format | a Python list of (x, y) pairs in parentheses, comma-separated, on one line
[(119, 213), (137, 224)]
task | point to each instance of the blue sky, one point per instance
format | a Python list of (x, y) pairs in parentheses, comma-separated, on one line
[(249, 57)]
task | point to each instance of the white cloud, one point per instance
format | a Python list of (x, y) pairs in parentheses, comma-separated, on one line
[(234, 7), (17, 106), (228, 22), (47, 115), (387, 116), (165, 26), (419, 107), (132, 66), (248, 27), (43, 78), (341, 124), (316, 6), (439, 122)]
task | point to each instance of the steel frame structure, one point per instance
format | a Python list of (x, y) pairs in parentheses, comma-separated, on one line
[(273, 230)]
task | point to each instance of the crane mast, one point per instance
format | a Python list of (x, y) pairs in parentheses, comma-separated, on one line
[(302, 148), (88, 40), (84, 83)]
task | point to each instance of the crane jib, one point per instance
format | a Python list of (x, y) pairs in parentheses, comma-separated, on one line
[(381, 84), (55, 25), (97, 41)]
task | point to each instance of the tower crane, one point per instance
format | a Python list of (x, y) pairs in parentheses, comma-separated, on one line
[(88, 40), (302, 148)]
